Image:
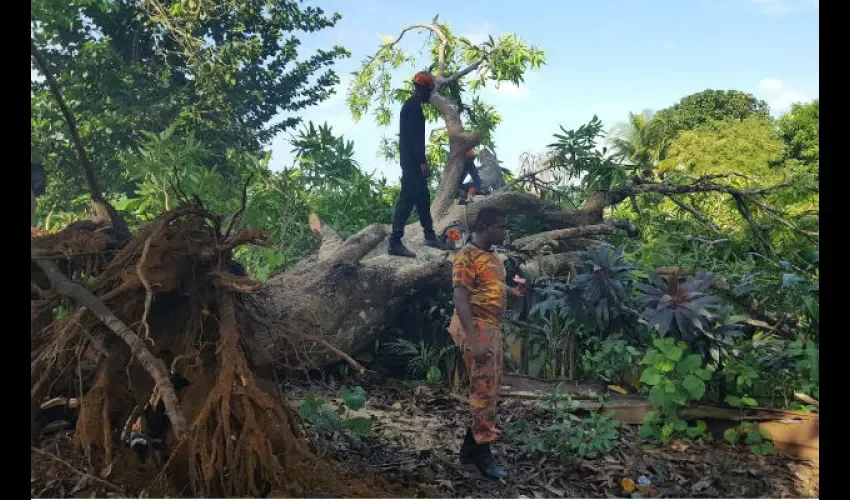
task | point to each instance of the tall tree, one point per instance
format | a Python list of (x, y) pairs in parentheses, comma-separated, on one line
[(225, 70), (701, 108)]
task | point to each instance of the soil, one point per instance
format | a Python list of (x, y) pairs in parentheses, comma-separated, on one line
[(412, 452)]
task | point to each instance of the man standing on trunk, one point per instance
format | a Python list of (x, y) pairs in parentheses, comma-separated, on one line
[(480, 296), (414, 168)]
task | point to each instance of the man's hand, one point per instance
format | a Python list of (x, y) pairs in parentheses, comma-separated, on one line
[(520, 288), (426, 170)]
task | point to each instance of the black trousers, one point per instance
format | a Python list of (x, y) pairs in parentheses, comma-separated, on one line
[(414, 193)]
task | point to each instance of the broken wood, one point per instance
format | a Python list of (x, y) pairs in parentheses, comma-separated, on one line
[(805, 398)]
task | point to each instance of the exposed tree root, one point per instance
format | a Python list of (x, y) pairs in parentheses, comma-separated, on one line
[(172, 282)]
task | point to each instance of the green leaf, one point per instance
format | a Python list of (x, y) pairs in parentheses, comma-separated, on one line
[(733, 401), (768, 448), (358, 426), (731, 435), (674, 353), (749, 401), (657, 396), (650, 376), (694, 386), (354, 399), (703, 374), (690, 363)]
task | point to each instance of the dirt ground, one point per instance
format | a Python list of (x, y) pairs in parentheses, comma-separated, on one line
[(412, 452)]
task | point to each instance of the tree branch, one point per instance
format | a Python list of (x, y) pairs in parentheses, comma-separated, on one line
[(535, 242), (101, 208), (153, 365), (328, 240), (693, 211)]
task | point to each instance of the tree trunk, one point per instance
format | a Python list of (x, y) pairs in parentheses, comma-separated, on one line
[(351, 290)]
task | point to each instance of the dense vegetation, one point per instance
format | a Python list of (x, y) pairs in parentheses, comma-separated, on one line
[(712, 296)]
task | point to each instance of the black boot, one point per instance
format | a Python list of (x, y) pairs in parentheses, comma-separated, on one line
[(396, 247), (485, 462), (467, 451)]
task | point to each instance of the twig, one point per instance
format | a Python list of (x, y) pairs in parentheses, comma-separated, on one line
[(96, 479), (693, 211), (354, 364), (148, 289), (153, 365), (242, 208)]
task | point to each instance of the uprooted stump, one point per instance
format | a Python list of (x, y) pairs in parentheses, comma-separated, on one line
[(165, 309)]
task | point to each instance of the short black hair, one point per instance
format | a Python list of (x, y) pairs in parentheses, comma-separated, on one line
[(488, 216)]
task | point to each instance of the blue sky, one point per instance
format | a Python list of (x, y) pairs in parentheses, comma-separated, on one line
[(604, 57)]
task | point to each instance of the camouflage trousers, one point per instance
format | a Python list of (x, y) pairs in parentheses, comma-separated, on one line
[(485, 378)]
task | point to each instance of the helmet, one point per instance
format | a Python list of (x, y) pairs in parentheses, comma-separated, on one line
[(470, 154), (424, 78)]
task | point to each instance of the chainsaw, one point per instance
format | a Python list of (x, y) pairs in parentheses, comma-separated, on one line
[(452, 236)]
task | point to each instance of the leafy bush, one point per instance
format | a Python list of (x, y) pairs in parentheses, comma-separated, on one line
[(425, 360), (769, 368), (326, 420), (757, 440), (683, 310), (613, 360), (675, 378), (569, 435)]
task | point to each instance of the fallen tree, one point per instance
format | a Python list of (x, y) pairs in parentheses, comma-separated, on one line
[(161, 324)]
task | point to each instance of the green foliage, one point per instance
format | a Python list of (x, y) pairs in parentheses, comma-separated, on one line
[(222, 70), (326, 420), (612, 360), (597, 297), (575, 155), (748, 433), (425, 360), (634, 142), (704, 107), (675, 378), (799, 130), (507, 59), (569, 436)]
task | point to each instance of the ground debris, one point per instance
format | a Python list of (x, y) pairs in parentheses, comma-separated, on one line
[(408, 420)]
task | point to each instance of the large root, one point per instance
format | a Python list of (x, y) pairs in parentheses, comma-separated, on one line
[(163, 310)]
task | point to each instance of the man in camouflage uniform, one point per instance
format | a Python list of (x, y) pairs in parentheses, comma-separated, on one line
[(480, 296)]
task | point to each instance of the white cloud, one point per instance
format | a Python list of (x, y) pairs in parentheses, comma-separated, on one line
[(770, 85), (509, 91), (779, 96)]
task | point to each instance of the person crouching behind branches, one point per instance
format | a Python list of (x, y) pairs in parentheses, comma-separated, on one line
[(466, 189), (480, 297)]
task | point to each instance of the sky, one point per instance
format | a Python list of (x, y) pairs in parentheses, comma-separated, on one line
[(604, 57)]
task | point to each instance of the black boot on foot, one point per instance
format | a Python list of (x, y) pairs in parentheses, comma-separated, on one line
[(486, 464), (467, 451), (396, 247)]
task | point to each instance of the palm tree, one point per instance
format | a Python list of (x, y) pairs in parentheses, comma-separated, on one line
[(633, 142)]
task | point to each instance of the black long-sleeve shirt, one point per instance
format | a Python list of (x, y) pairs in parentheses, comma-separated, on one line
[(411, 134), (470, 168)]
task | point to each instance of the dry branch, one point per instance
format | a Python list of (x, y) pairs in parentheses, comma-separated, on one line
[(153, 365)]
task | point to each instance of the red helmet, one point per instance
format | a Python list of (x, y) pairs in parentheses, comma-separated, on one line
[(424, 78), (470, 154)]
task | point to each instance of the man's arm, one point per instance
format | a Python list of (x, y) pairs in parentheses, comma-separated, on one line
[(404, 136), (464, 314)]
